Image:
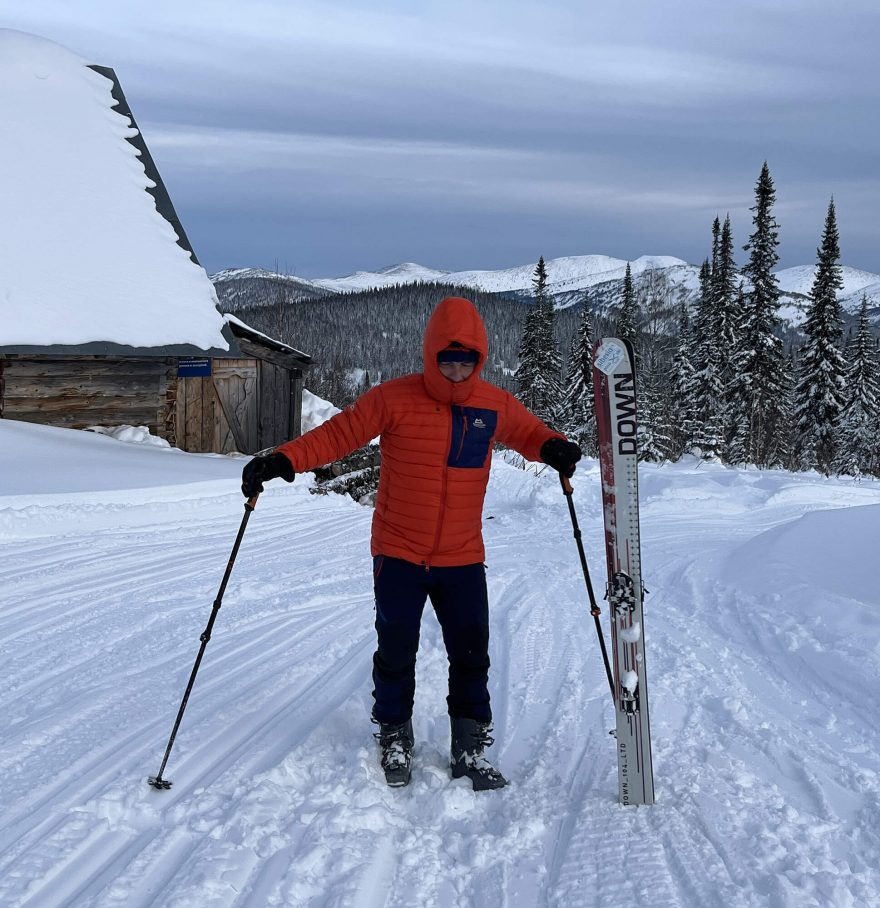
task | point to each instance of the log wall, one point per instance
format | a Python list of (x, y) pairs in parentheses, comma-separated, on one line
[(86, 391), (246, 405)]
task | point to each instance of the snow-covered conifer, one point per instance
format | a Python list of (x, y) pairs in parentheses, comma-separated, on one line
[(724, 299), (821, 369), (759, 359), (716, 245), (578, 415), (628, 310), (528, 357), (539, 374), (859, 432), (706, 388), (737, 391), (681, 407), (654, 441)]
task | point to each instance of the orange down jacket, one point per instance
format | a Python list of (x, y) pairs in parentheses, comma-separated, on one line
[(436, 440)]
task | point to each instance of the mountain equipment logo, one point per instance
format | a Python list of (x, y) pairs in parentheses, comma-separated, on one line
[(479, 424)]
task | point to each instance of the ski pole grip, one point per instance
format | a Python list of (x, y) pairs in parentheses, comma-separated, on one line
[(251, 503), (566, 485)]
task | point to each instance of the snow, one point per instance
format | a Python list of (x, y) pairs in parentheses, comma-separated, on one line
[(630, 680), (84, 255), (573, 273), (761, 633), (240, 274), (228, 317), (136, 435), (800, 280), (404, 273), (315, 410), (563, 274), (632, 633)]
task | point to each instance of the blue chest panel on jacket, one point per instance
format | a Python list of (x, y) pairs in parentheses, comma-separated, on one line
[(473, 429)]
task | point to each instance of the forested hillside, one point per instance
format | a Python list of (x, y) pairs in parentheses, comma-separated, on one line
[(734, 369), (361, 338)]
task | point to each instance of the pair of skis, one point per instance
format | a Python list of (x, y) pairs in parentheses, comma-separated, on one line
[(617, 427)]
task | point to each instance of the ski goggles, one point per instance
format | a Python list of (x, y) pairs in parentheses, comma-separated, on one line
[(458, 356)]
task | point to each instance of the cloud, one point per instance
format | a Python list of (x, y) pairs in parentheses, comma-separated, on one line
[(561, 119)]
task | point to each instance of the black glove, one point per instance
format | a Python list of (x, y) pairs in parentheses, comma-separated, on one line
[(560, 454), (262, 469)]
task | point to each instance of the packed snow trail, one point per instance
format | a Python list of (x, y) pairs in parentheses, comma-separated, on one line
[(762, 656)]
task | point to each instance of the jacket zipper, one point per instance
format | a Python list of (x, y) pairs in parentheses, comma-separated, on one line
[(463, 436), (442, 495)]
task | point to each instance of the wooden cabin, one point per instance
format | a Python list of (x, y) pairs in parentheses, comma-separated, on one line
[(238, 391), (243, 399)]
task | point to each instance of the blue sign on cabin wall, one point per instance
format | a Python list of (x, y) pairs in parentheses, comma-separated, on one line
[(193, 367)]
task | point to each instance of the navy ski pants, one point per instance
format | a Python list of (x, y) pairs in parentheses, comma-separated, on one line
[(458, 595)]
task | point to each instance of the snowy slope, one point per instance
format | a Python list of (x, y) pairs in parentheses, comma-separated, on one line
[(404, 273), (800, 280), (762, 640), (568, 273), (569, 276), (856, 284), (244, 274)]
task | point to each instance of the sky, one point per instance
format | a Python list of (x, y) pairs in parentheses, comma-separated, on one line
[(323, 138)]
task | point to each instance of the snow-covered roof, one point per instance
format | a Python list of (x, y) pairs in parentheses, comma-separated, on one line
[(84, 255), (242, 329)]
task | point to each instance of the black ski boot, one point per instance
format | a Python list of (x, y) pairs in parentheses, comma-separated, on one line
[(469, 739), (396, 747)]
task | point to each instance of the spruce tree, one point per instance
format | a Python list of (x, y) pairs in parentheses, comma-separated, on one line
[(539, 373), (738, 390), (627, 313), (526, 369), (653, 433), (859, 450), (724, 299), (716, 244), (759, 356), (821, 368), (681, 403), (706, 388), (539, 282), (786, 432), (579, 418)]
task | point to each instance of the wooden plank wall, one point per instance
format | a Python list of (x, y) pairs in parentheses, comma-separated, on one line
[(275, 408), (235, 381), (87, 391), (195, 415), (201, 424), (297, 384), (260, 396)]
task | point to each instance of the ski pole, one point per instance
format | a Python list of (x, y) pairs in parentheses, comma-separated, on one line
[(157, 781), (595, 611)]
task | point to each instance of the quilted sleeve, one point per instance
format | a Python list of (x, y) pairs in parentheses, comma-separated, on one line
[(523, 431), (346, 432)]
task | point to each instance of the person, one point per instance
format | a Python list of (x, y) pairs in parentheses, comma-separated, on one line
[(436, 430)]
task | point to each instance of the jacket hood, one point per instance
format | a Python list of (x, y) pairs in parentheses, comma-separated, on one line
[(454, 319)]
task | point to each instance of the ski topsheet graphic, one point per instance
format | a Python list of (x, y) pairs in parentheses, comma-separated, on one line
[(617, 427)]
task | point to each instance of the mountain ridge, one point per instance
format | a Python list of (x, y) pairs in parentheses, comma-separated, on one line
[(566, 275), (596, 280)]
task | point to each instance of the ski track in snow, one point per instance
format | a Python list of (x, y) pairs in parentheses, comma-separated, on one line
[(763, 714)]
